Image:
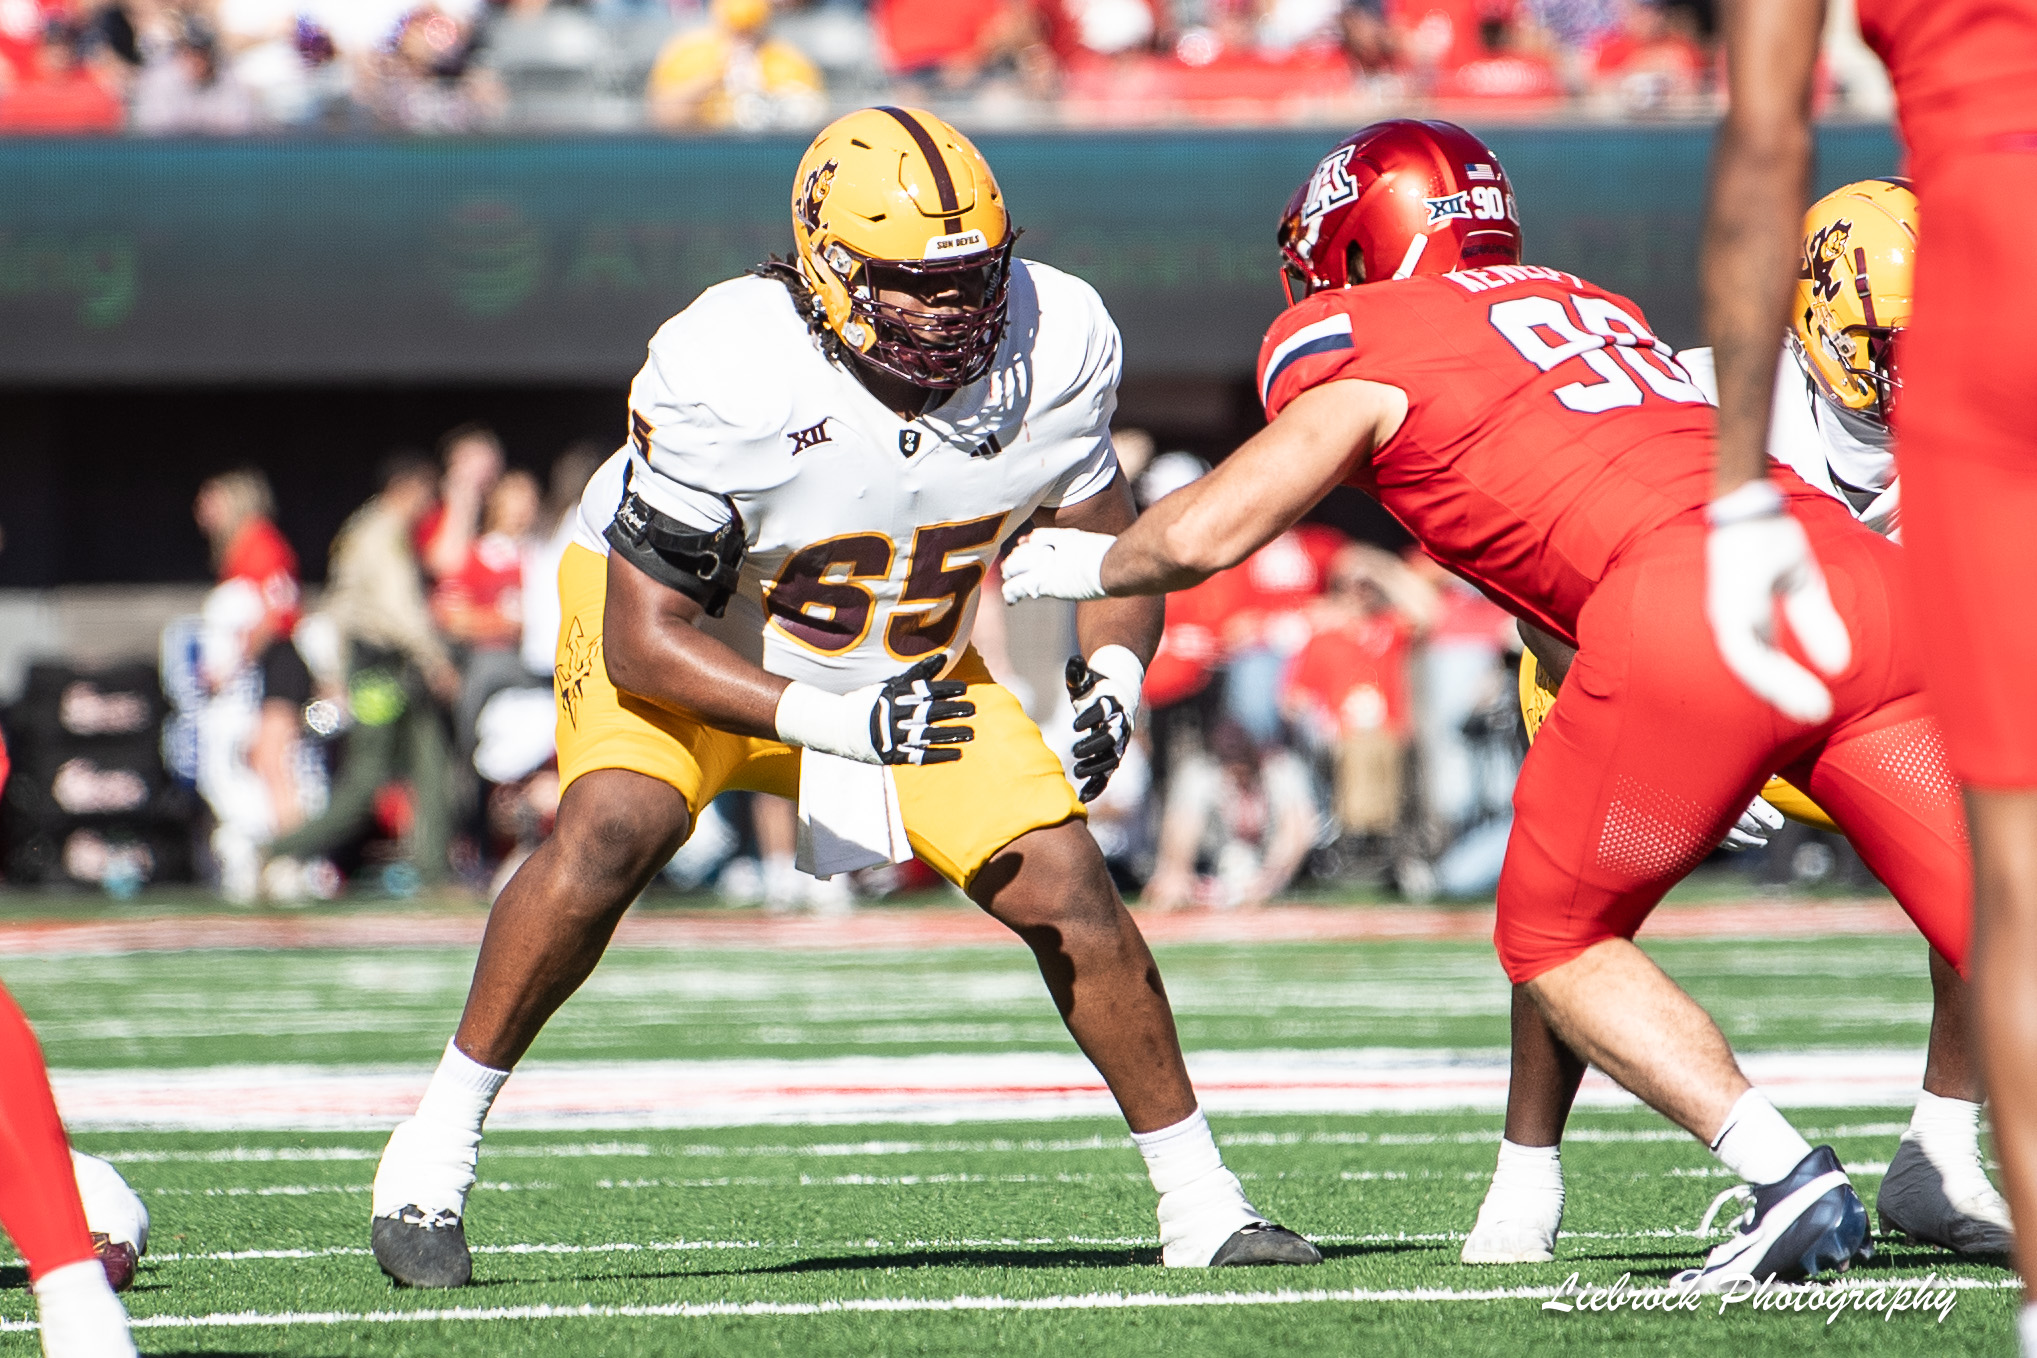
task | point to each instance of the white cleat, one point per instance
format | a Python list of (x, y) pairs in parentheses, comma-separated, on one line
[(1210, 1224), (1943, 1200), (1516, 1225)]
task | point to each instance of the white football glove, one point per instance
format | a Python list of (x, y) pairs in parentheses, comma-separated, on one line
[(908, 719), (1755, 552), (1751, 831), (1105, 691), (1056, 563)]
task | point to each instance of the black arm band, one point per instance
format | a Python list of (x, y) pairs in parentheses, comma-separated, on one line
[(702, 565)]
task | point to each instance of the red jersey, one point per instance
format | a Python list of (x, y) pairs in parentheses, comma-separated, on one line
[(491, 579), (917, 34), (1963, 70), (1547, 428), (1354, 674), (1270, 590), (262, 556), (1191, 642)]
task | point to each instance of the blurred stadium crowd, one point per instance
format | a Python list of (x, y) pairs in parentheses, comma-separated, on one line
[(1327, 711), (235, 67)]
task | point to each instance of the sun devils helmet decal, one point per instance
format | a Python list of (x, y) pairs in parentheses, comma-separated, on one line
[(1821, 251), (1855, 280), (814, 192)]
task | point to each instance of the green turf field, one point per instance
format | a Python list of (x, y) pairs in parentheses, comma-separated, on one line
[(1033, 1237)]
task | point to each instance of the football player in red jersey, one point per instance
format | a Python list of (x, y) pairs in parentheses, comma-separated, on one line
[(1965, 76), (39, 1206), (1538, 440)]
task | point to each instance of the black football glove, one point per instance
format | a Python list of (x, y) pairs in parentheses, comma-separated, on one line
[(1111, 694), (912, 720)]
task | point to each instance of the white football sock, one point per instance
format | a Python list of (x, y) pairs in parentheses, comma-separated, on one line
[(1950, 1124), (2026, 1327), (429, 1161), (1201, 1203), (81, 1318), (1523, 1209), (1948, 1132), (1757, 1143)]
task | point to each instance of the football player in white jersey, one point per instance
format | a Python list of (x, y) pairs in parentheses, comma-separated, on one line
[(1830, 426), (839, 445)]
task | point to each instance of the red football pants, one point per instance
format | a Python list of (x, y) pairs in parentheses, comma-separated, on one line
[(38, 1191), (1967, 427), (1656, 749)]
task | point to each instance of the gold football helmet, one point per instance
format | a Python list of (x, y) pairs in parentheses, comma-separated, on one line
[(1853, 292), (896, 199)]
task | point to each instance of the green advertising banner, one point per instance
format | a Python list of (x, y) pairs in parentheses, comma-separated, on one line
[(472, 260)]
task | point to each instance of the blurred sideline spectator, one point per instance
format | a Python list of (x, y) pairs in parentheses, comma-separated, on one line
[(958, 44), (1458, 674), (732, 73), (479, 607), (1651, 59), (570, 474), (396, 666), (471, 455), (1347, 689), (453, 66), (1266, 620), (248, 729), (423, 77), (64, 83), (511, 737), (188, 89), (1237, 825)]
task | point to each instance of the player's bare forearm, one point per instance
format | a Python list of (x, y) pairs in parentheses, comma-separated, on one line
[(1761, 171), (655, 652), (1259, 491), (1134, 622)]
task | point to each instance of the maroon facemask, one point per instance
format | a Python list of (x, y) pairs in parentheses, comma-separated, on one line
[(944, 350)]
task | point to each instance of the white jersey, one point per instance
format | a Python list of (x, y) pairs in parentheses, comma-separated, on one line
[(1832, 449), (869, 535)]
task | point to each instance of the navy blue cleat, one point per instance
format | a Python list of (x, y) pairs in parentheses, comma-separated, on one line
[(1807, 1224)]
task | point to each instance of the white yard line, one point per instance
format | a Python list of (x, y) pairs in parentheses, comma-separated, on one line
[(1087, 1301), (994, 1086), (964, 1242)]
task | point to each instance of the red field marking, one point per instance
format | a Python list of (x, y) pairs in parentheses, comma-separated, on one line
[(880, 928)]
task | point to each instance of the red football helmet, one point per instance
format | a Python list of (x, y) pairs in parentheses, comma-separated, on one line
[(1398, 198)]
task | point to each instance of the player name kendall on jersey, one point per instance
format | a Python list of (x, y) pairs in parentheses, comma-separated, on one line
[(868, 535)]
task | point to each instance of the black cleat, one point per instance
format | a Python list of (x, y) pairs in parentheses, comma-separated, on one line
[(422, 1249), (1264, 1243)]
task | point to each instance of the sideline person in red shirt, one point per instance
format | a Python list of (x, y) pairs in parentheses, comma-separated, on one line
[(1963, 387), (235, 511), (59, 91)]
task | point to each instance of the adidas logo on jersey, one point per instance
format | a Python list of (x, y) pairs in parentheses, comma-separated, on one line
[(803, 439), (990, 447)]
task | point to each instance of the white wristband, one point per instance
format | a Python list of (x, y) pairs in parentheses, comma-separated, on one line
[(833, 723), (1123, 669), (1758, 499)]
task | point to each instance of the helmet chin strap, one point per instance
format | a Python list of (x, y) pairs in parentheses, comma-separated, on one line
[(1413, 257)]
